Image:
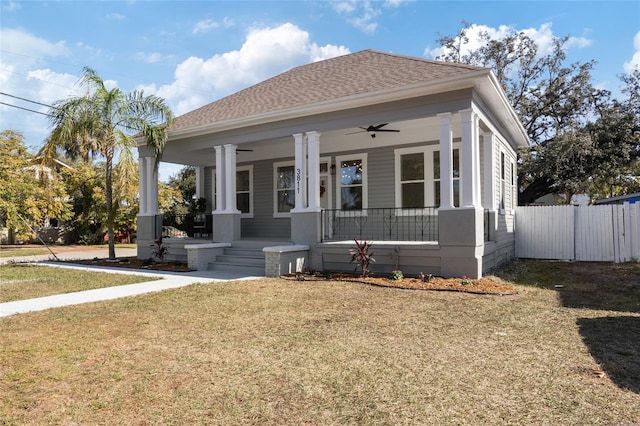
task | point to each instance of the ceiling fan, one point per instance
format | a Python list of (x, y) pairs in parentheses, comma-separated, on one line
[(373, 129)]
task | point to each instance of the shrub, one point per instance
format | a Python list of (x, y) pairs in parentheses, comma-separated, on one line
[(361, 256), (158, 249), (396, 275)]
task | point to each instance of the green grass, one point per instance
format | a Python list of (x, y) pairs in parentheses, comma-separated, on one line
[(21, 281), (23, 252), (288, 352)]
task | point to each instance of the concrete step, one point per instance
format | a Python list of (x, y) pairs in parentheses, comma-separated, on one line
[(240, 260), (244, 252), (251, 270), (258, 244)]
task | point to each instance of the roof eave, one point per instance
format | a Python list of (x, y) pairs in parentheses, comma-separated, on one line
[(361, 100)]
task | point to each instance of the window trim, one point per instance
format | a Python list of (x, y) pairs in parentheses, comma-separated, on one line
[(429, 179), (243, 169), (365, 185), (276, 166)]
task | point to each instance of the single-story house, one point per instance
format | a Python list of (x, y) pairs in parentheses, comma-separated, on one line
[(620, 199), (416, 156)]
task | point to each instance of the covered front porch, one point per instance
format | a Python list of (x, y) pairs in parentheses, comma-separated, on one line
[(315, 190)]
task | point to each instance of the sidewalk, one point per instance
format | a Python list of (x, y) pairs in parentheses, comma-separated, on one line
[(166, 280)]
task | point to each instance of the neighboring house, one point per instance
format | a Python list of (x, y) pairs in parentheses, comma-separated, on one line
[(415, 155), (621, 199)]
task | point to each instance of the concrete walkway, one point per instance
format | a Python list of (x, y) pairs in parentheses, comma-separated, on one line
[(165, 280)]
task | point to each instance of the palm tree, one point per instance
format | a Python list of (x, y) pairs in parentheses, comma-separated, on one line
[(102, 123)]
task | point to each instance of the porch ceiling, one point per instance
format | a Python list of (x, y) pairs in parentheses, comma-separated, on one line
[(331, 141)]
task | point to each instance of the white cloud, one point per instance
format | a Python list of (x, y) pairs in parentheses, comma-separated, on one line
[(116, 16), (543, 36), (634, 63), (364, 14), (205, 26), (12, 6), (265, 53), (150, 58)]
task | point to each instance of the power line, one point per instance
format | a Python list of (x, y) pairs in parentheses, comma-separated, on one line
[(23, 108), (26, 100)]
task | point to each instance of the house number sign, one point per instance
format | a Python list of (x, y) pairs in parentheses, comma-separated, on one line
[(298, 179)]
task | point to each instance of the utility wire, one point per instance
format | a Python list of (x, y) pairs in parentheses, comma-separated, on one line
[(23, 108), (25, 99)]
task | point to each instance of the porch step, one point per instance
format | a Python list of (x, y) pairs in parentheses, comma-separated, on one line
[(249, 260)]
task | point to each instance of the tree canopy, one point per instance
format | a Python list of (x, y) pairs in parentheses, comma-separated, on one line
[(102, 124), (582, 139), (30, 194)]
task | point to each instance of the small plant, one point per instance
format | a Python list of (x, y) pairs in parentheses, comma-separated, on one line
[(425, 278), (396, 275), (158, 249), (361, 256), (466, 281)]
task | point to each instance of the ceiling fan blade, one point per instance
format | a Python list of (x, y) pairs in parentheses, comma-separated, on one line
[(387, 130)]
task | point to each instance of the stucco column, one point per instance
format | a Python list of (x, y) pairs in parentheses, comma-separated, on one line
[(446, 161), (142, 186), (313, 154), (300, 171), (469, 159), (477, 190), (220, 179), (230, 178)]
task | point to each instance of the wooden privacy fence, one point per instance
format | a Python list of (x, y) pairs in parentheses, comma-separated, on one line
[(605, 233)]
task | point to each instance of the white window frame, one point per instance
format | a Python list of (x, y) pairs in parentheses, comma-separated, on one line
[(276, 166), (429, 179), (365, 188), (250, 169), (213, 190), (502, 172)]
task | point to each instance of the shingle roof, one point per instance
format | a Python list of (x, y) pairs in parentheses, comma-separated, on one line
[(343, 76)]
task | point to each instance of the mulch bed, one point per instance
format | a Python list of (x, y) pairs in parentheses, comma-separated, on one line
[(135, 263), (486, 285)]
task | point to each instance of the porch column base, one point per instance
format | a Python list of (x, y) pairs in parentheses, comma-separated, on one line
[(305, 227), (148, 230), (461, 238), (226, 227)]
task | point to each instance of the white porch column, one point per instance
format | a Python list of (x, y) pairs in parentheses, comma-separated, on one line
[(469, 161), (230, 178), (477, 190), (313, 153), (199, 181), (220, 179), (446, 161), (142, 185), (300, 172), (152, 186), (489, 194)]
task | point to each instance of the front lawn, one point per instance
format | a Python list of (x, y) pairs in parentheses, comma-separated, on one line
[(24, 281), (274, 351)]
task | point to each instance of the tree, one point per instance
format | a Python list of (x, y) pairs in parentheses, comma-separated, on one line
[(29, 194), (554, 100), (101, 123)]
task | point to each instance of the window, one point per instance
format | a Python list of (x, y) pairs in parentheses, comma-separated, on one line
[(418, 177), (284, 193), (244, 190), (514, 188), (352, 182), (503, 183), (456, 177), (412, 180)]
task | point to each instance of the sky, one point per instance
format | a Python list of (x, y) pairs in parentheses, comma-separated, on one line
[(192, 53)]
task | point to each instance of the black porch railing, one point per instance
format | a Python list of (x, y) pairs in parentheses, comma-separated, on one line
[(182, 226), (388, 224)]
